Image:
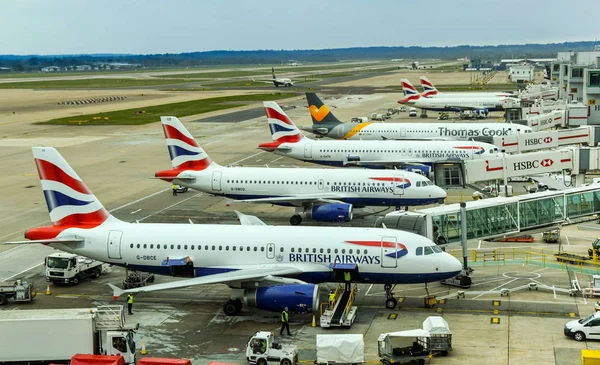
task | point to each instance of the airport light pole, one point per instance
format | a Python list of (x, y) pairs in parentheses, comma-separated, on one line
[(463, 234)]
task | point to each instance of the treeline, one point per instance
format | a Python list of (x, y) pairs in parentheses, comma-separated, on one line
[(193, 59)]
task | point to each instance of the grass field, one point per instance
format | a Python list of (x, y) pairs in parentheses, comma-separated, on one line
[(152, 113), (90, 83), (213, 75)]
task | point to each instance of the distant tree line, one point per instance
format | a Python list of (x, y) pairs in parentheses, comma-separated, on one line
[(194, 59)]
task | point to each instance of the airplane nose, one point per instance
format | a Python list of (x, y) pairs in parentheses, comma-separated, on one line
[(453, 264), (440, 193)]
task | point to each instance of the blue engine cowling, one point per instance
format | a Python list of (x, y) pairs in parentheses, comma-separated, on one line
[(338, 212), (482, 113), (299, 298)]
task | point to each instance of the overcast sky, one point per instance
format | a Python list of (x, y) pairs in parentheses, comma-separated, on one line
[(173, 26)]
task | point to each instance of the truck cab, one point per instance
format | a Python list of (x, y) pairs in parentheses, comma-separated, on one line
[(62, 267), (262, 349)]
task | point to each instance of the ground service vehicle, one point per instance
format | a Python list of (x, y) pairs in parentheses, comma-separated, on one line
[(340, 349), (440, 337), (584, 328), (19, 291), (551, 236), (403, 347), (65, 268), (262, 349), (56, 335), (412, 112), (595, 247)]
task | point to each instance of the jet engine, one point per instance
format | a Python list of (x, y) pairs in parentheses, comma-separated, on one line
[(337, 212), (299, 298), (482, 113)]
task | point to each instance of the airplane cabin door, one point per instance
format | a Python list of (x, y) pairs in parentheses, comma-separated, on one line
[(308, 150), (114, 244), (216, 181), (402, 132), (270, 250), (389, 252), (321, 184), (398, 184)]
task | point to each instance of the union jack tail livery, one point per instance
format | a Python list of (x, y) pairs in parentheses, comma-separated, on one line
[(282, 128), (185, 152), (410, 92), (428, 88)]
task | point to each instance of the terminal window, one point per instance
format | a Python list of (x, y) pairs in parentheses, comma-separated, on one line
[(594, 79), (577, 72)]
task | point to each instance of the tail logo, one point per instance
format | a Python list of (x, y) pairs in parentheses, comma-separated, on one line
[(400, 249), (400, 182), (69, 200), (318, 114), (282, 128), (183, 149), (478, 150)]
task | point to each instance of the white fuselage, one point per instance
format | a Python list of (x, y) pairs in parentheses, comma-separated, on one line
[(339, 153), (417, 131), (483, 94), (458, 104), (221, 248), (357, 187)]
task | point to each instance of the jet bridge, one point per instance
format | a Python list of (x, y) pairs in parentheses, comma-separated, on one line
[(501, 216), (525, 142)]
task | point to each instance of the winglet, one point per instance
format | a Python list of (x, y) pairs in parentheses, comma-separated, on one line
[(117, 292), (249, 220)]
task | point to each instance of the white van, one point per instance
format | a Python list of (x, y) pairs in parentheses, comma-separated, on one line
[(585, 328), (412, 112)]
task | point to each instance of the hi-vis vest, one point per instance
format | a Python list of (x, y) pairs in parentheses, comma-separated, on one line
[(284, 316), (331, 297), (347, 276), (130, 299)]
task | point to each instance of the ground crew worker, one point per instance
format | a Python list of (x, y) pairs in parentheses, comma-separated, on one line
[(331, 299), (130, 303), (285, 321), (174, 190), (263, 346), (348, 279)]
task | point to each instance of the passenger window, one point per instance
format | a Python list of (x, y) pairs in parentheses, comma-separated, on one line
[(172, 247), (206, 248), (213, 248), (247, 248), (292, 250), (350, 251), (343, 250), (131, 245), (419, 251), (335, 250), (233, 248), (314, 250), (358, 252), (241, 248), (255, 249), (220, 248), (321, 250), (145, 245), (281, 249), (270, 248), (185, 247), (151, 246), (138, 245), (328, 250), (262, 249), (226, 248), (428, 250)]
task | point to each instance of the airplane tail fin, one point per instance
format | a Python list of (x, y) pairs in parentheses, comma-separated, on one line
[(273, 72), (319, 112), (410, 92), (70, 202), (428, 88), (283, 130)]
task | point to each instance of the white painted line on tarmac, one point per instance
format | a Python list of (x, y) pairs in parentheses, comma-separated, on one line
[(277, 159), (170, 206), (16, 215), (135, 211), (246, 158), (139, 200), (211, 142), (24, 271), (498, 287)]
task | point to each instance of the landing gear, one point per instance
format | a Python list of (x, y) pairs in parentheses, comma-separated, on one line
[(295, 220), (390, 301), (232, 307)]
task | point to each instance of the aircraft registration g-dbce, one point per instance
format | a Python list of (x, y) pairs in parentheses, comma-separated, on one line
[(289, 141), (268, 267), (326, 124), (483, 105), (325, 195)]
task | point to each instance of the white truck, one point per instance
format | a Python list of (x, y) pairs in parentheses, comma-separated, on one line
[(340, 349), (55, 335), (378, 116), (65, 268), (262, 349)]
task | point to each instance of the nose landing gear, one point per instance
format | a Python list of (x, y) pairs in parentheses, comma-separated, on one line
[(390, 301)]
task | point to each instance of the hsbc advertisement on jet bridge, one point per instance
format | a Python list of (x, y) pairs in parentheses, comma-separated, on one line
[(518, 165), (527, 141)]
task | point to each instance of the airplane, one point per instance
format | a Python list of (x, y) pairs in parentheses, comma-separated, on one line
[(481, 105), (289, 141), (267, 267), (278, 81), (431, 91), (325, 124), (324, 195)]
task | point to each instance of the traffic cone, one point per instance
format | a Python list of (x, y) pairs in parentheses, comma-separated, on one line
[(314, 323), (143, 352), (48, 289)]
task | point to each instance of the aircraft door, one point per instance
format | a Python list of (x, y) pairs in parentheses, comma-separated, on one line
[(308, 150), (389, 252), (216, 181), (321, 184), (402, 132), (399, 184), (114, 244), (270, 250)]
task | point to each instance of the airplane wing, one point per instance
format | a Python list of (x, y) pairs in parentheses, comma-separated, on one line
[(298, 200), (269, 273), (249, 220), (64, 241), (265, 81)]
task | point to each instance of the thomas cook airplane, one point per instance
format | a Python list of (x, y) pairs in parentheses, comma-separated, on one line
[(268, 267), (321, 194)]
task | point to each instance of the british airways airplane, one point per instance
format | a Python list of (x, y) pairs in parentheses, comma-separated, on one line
[(327, 125), (289, 141), (268, 267), (431, 91), (326, 195)]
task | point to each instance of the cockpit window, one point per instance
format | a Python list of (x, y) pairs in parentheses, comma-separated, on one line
[(436, 249), (428, 250), (418, 184), (419, 251)]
